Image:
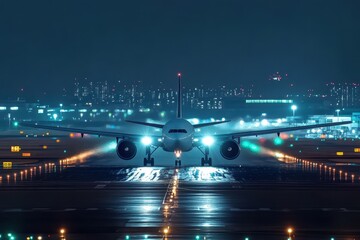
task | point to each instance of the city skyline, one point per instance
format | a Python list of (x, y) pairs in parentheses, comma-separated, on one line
[(314, 43)]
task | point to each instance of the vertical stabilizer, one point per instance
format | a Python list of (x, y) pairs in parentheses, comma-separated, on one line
[(179, 101)]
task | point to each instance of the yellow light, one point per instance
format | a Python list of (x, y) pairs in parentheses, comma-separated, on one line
[(15, 149), (62, 231), (26, 154), (39, 237), (166, 207), (166, 230), (45, 147), (290, 230), (7, 165), (339, 153), (57, 140)]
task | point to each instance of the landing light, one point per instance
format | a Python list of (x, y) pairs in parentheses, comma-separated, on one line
[(146, 141), (208, 140)]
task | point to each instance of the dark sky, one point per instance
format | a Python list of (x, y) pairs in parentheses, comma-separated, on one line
[(44, 45)]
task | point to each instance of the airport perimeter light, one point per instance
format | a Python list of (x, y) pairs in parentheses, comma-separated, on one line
[(290, 232)]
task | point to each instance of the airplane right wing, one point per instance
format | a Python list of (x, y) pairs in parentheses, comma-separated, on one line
[(276, 130)]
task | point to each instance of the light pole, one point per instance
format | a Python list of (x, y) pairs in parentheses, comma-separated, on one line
[(293, 108), (337, 113)]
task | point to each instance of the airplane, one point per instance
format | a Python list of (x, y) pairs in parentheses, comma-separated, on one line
[(178, 136)]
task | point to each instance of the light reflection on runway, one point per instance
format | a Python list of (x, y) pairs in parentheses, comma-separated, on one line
[(144, 174), (206, 174)]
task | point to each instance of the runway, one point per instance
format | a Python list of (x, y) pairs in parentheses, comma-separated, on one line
[(94, 200)]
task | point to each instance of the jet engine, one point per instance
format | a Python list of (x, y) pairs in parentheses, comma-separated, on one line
[(126, 150), (230, 150)]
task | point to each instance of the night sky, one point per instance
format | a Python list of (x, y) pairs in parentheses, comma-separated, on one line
[(44, 45)]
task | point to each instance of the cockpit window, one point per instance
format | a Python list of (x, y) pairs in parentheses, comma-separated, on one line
[(177, 131)]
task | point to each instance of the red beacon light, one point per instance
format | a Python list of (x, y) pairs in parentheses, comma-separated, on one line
[(179, 74)]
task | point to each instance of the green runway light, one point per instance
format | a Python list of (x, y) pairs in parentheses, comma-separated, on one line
[(245, 144), (127, 237), (254, 148), (247, 238), (16, 124), (197, 237), (278, 141), (332, 238)]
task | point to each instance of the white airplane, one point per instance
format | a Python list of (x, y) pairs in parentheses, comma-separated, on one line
[(178, 135)]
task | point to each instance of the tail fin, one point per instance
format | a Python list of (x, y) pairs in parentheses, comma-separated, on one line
[(179, 102)]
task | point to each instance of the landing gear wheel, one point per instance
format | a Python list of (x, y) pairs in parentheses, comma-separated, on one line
[(202, 161), (152, 162), (210, 162), (145, 161)]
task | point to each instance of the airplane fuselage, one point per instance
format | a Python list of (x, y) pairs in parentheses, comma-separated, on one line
[(178, 135)]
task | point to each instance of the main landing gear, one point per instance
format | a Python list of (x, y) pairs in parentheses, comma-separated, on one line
[(148, 159), (206, 160)]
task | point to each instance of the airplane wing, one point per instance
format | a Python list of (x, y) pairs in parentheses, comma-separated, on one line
[(87, 131), (277, 130), (200, 125)]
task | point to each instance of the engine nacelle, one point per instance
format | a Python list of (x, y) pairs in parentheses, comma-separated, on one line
[(126, 150), (230, 150)]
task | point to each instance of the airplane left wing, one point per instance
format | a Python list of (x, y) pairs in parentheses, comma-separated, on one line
[(87, 131), (277, 130)]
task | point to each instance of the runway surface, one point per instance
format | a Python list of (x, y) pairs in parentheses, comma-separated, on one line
[(92, 197)]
